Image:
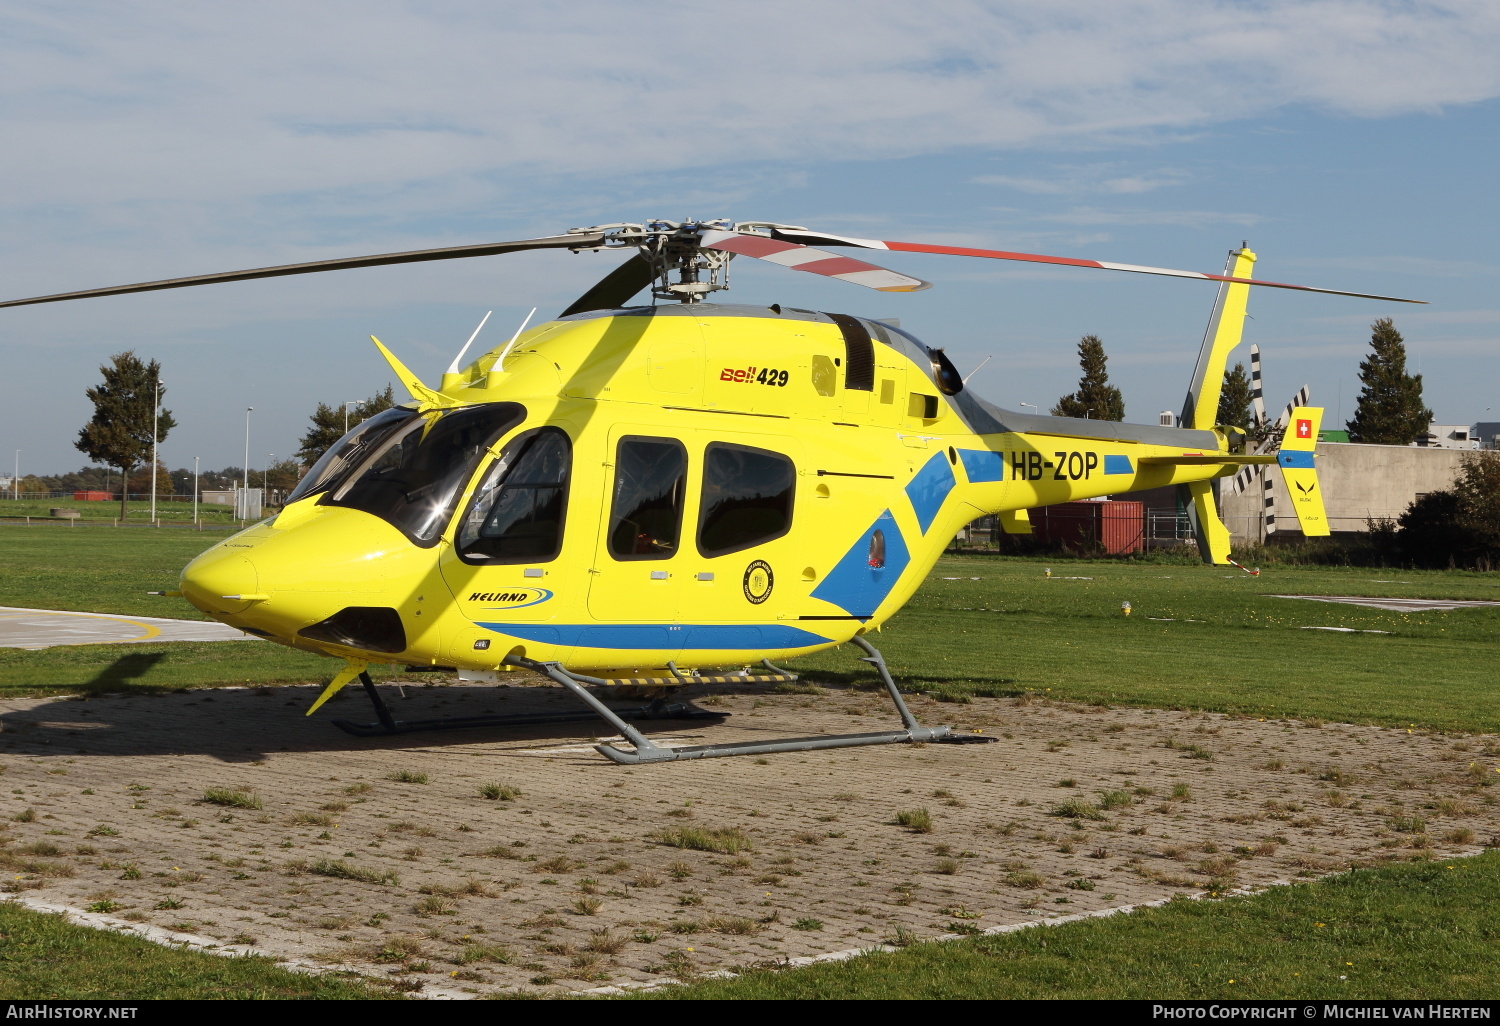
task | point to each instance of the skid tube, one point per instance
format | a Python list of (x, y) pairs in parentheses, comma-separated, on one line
[(646, 751)]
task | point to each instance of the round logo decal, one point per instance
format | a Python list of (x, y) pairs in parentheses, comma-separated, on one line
[(758, 581)]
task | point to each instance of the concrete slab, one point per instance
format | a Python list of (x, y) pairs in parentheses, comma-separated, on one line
[(21, 627), (1396, 605)]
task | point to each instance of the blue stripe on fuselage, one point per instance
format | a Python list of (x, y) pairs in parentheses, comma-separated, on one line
[(690, 637)]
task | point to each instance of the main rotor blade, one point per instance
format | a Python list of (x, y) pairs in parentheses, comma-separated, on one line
[(804, 258), (825, 239), (615, 288), (580, 239)]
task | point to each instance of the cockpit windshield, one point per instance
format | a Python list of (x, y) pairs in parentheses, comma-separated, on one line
[(348, 452), (413, 478)]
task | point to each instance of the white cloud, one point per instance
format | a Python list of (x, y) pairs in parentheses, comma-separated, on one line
[(165, 102), (1096, 178)]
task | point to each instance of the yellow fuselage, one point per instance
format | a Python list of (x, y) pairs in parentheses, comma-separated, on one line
[(882, 477)]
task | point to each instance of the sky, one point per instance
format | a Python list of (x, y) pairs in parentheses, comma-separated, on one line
[(1352, 143)]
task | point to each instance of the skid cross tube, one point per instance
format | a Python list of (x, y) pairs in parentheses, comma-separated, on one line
[(388, 724), (646, 751)]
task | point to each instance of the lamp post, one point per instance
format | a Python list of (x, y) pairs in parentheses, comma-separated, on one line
[(246, 469), (265, 478), (348, 403), (15, 478), (1034, 406), (155, 411), (195, 491)]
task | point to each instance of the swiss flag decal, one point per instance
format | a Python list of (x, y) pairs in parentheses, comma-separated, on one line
[(1304, 429)]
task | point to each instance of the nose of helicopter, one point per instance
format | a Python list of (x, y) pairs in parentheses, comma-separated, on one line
[(220, 582)]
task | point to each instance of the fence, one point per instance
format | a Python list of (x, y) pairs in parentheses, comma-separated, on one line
[(73, 495)]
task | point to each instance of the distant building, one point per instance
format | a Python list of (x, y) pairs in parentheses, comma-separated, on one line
[(1487, 434), (1447, 436)]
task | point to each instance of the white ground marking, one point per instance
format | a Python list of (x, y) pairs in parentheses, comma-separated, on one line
[(1395, 605), (22, 627)]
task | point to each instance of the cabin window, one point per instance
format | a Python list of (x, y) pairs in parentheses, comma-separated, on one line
[(645, 517), (747, 498), (413, 479), (348, 452), (518, 509)]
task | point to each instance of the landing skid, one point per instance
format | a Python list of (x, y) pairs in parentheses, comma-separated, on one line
[(644, 749)]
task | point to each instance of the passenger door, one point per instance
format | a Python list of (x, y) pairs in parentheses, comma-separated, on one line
[(641, 562), (749, 559)]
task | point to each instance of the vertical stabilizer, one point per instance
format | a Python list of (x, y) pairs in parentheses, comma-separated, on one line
[(1296, 460), (1225, 328)]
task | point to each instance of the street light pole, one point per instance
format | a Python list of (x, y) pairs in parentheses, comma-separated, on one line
[(1034, 406), (15, 478), (155, 410), (246, 469), (348, 403), (195, 491)]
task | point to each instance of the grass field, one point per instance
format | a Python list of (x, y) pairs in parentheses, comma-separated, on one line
[(1198, 637), (43, 957), (1413, 931), (135, 512), (1221, 643)]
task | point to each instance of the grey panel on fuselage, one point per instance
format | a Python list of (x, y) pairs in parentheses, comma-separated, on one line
[(988, 419)]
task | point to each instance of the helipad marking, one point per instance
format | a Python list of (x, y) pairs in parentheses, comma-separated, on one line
[(27, 628), (1396, 605)]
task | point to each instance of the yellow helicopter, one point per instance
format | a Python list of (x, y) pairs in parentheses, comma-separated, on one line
[(626, 491)]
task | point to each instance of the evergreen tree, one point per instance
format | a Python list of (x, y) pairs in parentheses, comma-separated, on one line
[(328, 424), (119, 434), (1390, 410), (1235, 399), (1096, 397)]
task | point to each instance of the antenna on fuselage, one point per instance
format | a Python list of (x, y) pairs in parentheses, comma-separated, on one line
[(458, 360), (976, 370), (506, 351)]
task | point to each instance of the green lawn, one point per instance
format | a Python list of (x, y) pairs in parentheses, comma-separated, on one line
[(44, 958), (98, 569), (92, 669), (1413, 932), (135, 512), (1221, 643)]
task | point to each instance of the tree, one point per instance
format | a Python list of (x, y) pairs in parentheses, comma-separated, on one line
[(1390, 410), (1096, 397), (328, 424), (1459, 526), (119, 434), (1235, 399)]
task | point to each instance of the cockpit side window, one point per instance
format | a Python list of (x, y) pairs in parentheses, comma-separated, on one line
[(414, 478), (645, 517), (348, 452), (747, 498), (518, 510)]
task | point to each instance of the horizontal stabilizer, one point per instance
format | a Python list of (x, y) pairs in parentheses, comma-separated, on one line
[(1224, 459)]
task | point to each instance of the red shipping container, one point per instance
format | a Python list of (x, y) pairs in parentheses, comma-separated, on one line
[(92, 496), (1117, 525)]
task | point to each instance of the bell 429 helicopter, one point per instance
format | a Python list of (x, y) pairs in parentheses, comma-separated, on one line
[(626, 491)]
